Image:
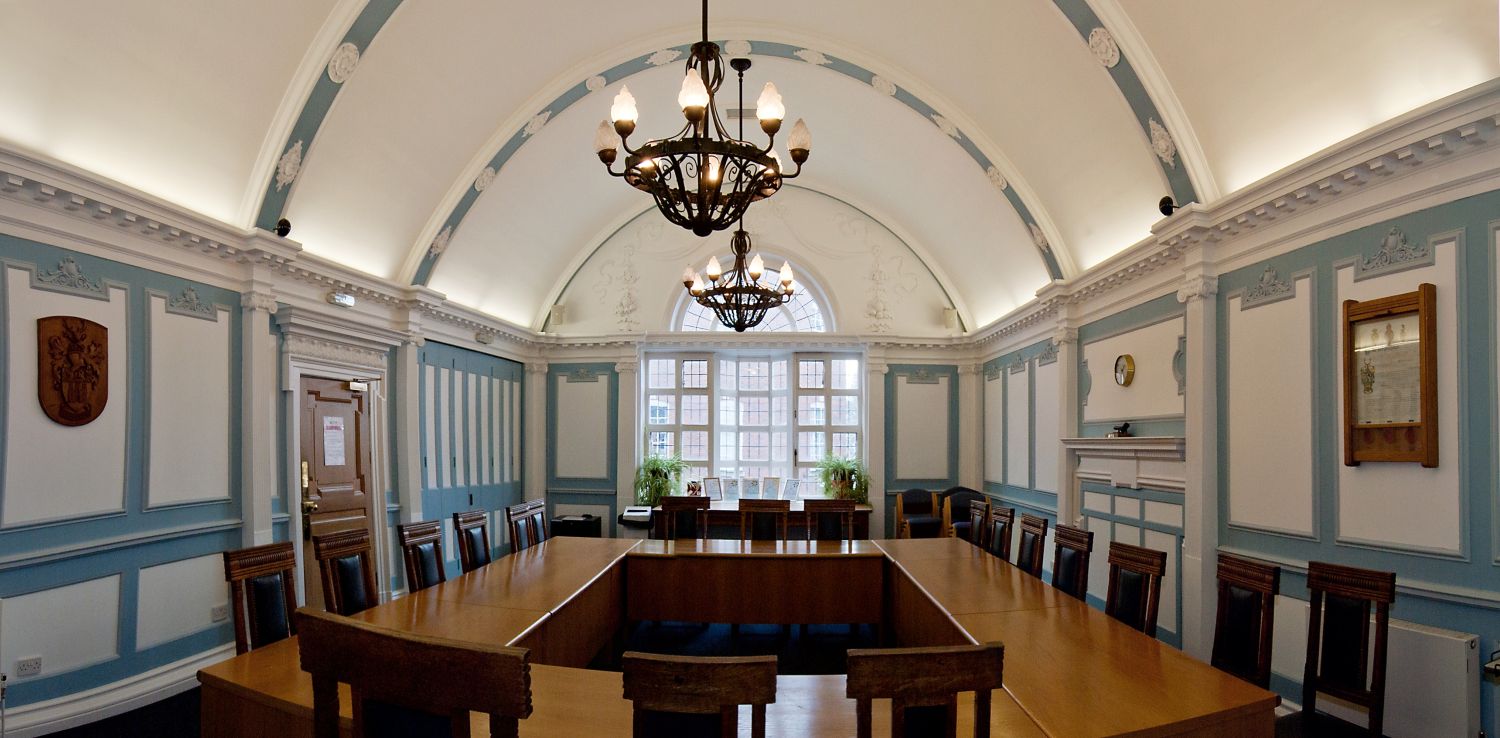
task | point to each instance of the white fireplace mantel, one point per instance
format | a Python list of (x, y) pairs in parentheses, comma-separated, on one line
[(1132, 462)]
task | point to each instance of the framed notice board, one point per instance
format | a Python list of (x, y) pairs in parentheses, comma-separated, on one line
[(1390, 378)]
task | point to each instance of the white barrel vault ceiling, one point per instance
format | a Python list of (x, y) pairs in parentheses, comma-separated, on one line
[(447, 143)]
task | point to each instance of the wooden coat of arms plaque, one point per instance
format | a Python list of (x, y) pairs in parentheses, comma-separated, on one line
[(72, 356)]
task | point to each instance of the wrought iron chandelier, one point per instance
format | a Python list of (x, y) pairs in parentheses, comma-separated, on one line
[(702, 178), (737, 297)]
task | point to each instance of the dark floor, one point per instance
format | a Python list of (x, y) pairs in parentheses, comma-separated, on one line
[(812, 649), (173, 717)]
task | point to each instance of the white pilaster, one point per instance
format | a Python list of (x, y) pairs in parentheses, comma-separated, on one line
[(628, 440), (970, 425), (1201, 502), (1066, 340), (875, 370), (408, 428), (258, 431), (535, 438)]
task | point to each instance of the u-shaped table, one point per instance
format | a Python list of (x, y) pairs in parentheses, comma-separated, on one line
[(1070, 670)]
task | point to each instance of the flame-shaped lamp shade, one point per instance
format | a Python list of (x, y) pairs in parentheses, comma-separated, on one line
[(623, 110), (713, 269)]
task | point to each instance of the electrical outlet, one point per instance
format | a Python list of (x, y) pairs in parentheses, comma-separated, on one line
[(29, 667), (219, 613)]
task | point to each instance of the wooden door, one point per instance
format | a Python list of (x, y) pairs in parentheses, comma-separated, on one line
[(335, 466)]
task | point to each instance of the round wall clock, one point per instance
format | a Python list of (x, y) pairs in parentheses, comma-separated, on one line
[(1124, 369)]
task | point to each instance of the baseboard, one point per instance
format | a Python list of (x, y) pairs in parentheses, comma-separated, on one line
[(111, 699)]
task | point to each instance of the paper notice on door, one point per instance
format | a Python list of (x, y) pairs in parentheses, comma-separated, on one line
[(333, 441)]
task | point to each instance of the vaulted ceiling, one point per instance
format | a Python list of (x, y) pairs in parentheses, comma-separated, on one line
[(448, 143)]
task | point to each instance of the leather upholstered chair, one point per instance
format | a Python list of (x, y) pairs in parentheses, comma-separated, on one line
[(1070, 560), (697, 695), (829, 520), (527, 522), (1339, 661), (956, 520), (422, 552), (918, 515), (263, 592), (472, 529), (404, 684), (923, 685), (1033, 538), (1246, 617), (764, 520), (997, 533), (1135, 585), (684, 516), (979, 516), (346, 563)]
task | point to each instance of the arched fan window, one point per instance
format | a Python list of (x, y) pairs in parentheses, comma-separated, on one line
[(802, 314)]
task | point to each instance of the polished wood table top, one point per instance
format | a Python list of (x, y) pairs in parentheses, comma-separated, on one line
[(734, 506), (1070, 670), (727, 547)]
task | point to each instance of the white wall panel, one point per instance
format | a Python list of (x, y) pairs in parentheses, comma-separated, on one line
[(46, 477), (1269, 413), (1017, 429), (994, 428), (513, 453), (189, 407), (177, 599), (69, 627), (1429, 501), (429, 422), (460, 437), (921, 446), (583, 428), (1047, 435), (1153, 392)]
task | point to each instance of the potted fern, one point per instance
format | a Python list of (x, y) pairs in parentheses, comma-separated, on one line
[(844, 479), (658, 476)]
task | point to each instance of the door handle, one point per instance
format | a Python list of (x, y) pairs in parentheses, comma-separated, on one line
[(309, 506)]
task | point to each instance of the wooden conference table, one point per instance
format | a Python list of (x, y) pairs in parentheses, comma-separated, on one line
[(724, 515), (1070, 670)]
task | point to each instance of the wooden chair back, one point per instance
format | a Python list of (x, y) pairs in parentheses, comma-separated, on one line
[(955, 508), (1135, 585), (1247, 609), (764, 520), (472, 529), (407, 682), (1070, 560), (919, 504), (346, 562), (997, 531), (684, 516), (829, 520), (527, 523), (668, 691), (1033, 538), (422, 553), (263, 592), (930, 678), (979, 515), (1338, 637)]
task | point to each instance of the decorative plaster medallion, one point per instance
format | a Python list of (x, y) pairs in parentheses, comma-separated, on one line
[(663, 57), (188, 303), (484, 179), (440, 242), (1395, 254), (946, 126), (1104, 47), (1039, 238), (883, 85), (737, 48), (1162, 144), (289, 166), (921, 376), (341, 65), (1048, 355), (595, 83), (69, 277), (812, 57), (536, 123), (1269, 289), (996, 178)]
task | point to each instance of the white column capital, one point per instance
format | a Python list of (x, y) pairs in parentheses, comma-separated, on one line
[(1065, 336), (970, 368), (1200, 287), (536, 367), (258, 300), (622, 367), (877, 367)]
